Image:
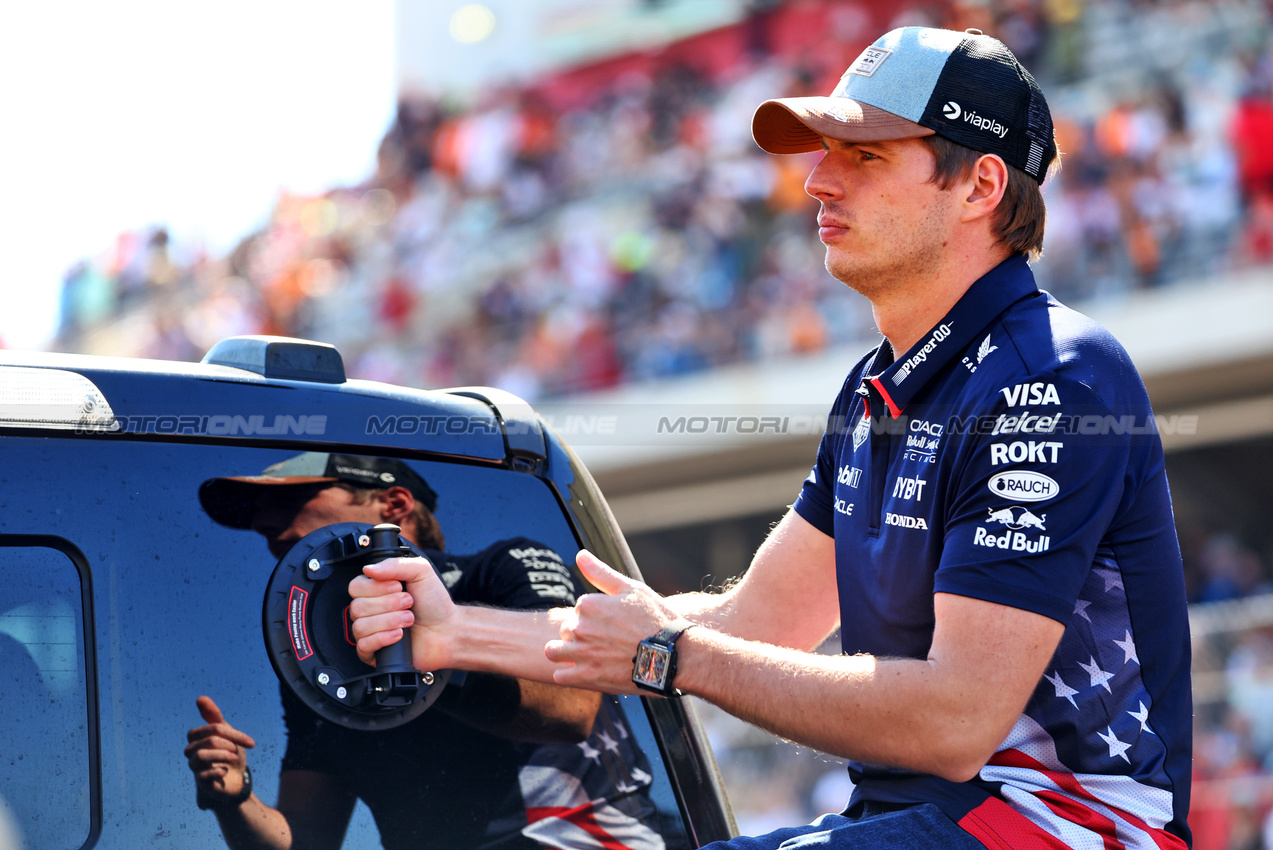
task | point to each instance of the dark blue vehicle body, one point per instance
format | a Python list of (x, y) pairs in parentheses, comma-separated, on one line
[(120, 601)]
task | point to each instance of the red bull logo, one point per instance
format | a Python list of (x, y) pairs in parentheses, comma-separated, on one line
[(1015, 541), (1017, 520)]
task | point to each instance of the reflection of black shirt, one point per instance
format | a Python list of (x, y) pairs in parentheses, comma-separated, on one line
[(436, 782)]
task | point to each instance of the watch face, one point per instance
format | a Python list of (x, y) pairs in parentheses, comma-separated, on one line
[(651, 665)]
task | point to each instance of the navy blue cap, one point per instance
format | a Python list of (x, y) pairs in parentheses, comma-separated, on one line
[(231, 501)]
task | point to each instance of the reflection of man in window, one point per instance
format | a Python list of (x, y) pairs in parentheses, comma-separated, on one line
[(470, 771)]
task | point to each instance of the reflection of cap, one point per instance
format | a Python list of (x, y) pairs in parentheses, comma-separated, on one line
[(232, 501), (918, 81)]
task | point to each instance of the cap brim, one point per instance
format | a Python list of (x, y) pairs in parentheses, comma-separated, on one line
[(232, 501), (798, 124)]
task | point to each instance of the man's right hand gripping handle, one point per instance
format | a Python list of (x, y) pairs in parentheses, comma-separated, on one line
[(402, 596)]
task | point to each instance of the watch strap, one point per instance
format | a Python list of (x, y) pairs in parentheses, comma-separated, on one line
[(208, 800), (673, 630)]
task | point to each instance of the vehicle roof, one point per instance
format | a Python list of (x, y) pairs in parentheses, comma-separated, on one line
[(182, 399)]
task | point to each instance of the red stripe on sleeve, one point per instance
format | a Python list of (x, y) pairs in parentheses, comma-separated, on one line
[(1064, 806), (1000, 827), (1085, 816)]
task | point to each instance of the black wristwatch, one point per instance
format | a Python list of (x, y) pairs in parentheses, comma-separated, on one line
[(654, 665), (206, 800)]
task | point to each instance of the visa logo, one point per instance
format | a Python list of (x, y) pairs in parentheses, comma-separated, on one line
[(1034, 393)]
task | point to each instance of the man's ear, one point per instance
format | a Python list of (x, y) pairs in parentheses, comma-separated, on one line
[(396, 504), (986, 185)]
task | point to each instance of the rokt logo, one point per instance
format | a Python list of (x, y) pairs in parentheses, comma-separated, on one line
[(951, 110)]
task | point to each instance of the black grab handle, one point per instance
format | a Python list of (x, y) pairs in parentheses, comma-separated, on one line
[(397, 677)]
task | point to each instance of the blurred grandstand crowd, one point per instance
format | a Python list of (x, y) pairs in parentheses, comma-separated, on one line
[(616, 224)]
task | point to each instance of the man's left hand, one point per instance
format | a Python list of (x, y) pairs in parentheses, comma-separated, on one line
[(599, 640)]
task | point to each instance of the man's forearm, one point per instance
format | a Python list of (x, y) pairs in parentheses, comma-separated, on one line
[(944, 714), (824, 702), (787, 597), (501, 640), (254, 826)]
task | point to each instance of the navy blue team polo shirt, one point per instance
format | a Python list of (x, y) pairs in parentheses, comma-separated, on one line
[(1011, 456)]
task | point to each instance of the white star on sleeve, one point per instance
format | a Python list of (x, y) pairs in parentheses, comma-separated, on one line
[(1080, 608), (641, 777), (1128, 647), (1099, 676), (1143, 717), (1062, 690), (609, 743), (1116, 747), (590, 752)]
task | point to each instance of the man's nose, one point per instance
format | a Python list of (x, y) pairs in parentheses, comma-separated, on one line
[(826, 180)]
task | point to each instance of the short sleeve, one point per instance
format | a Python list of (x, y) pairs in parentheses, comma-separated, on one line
[(1037, 484), (519, 573)]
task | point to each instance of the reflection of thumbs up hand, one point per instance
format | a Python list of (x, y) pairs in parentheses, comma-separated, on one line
[(217, 756)]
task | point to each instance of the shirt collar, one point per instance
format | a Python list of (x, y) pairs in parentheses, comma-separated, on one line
[(984, 301)]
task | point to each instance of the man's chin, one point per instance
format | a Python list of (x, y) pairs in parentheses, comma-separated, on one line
[(850, 274)]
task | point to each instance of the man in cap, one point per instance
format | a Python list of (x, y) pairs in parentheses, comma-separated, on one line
[(987, 521), (298, 495), (464, 773)]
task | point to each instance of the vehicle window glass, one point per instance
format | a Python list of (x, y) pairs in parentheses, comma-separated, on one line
[(661, 793), (179, 615), (45, 772)]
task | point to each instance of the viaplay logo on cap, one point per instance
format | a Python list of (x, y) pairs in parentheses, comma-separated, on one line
[(360, 473), (954, 112)]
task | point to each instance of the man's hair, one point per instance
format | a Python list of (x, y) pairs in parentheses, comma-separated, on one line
[(427, 533), (1020, 217)]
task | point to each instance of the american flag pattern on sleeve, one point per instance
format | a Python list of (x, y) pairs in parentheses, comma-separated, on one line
[(594, 794), (1091, 709)]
